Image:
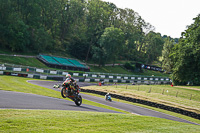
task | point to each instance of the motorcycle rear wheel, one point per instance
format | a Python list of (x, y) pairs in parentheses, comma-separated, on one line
[(78, 101)]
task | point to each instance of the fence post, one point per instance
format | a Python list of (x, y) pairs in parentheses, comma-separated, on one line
[(138, 87), (190, 96), (177, 94), (149, 90), (163, 91), (126, 86)]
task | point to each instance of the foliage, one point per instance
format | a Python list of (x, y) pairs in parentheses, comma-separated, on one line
[(167, 63), (111, 42), (129, 66), (77, 27), (186, 55)]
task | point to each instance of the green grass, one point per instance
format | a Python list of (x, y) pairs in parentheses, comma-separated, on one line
[(120, 70), (20, 84), (33, 62), (154, 93), (87, 122), (109, 69)]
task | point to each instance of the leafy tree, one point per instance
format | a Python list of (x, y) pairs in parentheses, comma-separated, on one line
[(186, 56), (99, 55), (112, 41), (134, 28), (153, 46), (167, 63), (97, 18)]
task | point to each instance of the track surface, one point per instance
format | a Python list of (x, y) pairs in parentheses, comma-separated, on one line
[(31, 101), (18, 100)]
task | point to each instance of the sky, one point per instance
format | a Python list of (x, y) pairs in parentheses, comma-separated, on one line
[(169, 17)]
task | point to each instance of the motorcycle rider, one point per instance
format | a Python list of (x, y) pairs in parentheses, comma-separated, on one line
[(73, 81), (106, 96)]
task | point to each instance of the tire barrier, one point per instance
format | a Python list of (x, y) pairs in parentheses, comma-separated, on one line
[(148, 103)]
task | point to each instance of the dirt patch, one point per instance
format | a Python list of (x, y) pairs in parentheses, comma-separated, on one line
[(187, 88)]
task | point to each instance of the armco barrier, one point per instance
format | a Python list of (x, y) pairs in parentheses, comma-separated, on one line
[(60, 78), (148, 103), (118, 78)]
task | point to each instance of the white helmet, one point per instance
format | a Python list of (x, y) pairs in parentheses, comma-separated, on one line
[(68, 76)]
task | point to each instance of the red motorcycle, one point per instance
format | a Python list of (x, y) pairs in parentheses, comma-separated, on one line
[(71, 91)]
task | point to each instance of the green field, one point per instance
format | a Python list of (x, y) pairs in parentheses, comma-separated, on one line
[(86, 122)]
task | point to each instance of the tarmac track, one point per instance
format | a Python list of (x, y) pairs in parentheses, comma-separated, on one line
[(16, 100)]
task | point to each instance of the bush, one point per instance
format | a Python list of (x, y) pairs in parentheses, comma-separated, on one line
[(129, 66)]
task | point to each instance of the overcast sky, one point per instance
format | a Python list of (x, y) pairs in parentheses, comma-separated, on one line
[(169, 17)]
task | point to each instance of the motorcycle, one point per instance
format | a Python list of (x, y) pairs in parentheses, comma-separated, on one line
[(108, 98), (71, 91)]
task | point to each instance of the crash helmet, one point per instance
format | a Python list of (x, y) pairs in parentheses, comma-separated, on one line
[(68, 76)]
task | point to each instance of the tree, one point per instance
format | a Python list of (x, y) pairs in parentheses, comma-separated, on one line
[(167, 63), (112, 41), (186, 56), (153, 46), (99, 55), (97, 19)]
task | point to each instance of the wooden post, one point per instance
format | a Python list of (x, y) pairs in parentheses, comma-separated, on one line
[(190, 96), (150, 90), (177, 94), (163, 91)]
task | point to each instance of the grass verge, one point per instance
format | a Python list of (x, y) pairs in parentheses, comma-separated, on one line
[(73, 121)]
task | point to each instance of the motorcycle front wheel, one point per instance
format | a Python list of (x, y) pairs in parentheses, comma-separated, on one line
[(63, 92), (78, 101)]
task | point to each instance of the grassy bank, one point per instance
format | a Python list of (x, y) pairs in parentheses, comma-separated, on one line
[(68, 121), (33, 62), (164, 94), (121, 70)]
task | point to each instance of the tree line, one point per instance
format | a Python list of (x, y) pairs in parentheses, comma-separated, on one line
[(98, 31), (87, 29)]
